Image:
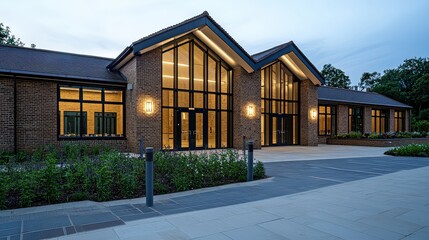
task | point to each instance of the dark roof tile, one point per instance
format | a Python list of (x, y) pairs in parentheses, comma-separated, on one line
[(46, 63), (357, 97)]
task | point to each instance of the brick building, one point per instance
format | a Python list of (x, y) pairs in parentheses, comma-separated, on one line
[(189, 86)]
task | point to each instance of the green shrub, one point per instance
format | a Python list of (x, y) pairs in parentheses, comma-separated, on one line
[(352, 135), (414, 150), (421, 126), (374, 136), (75, 172), (259, 170)]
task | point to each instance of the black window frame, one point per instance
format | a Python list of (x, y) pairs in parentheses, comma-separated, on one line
[(281, 101), (333, 114), (378, 115), (103, 102), (355, 119), (399, 121), (218, 93)]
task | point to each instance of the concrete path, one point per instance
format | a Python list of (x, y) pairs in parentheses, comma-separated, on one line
[(392, 206), (323, 151), (287, 178)]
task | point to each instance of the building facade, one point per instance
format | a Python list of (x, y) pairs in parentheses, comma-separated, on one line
[(189, 86)]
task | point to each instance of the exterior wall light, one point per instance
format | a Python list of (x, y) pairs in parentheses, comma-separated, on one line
[(149, 106), (250, 111), (313, 114)]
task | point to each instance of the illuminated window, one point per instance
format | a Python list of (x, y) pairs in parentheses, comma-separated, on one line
[(196, 97), (379, 121), (399, 121), (327, 120), (86, 112), (356, 119), (279, 106)]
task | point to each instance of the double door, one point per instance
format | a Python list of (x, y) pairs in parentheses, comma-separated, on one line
[(191, 129), (281, 129)]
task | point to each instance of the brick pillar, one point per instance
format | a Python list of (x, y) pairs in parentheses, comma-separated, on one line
[(246, 91), (309, 103), (342, 119), (407, 120), (367, 120), (130, 72), (391, 120), (148, 87), (144, 72)]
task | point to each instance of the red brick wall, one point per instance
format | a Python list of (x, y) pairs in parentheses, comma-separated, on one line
[(246, 91), (7, 115), (309, 102), (36, 119), (377, 142), (144, 72), (36, 113), (129, 71)]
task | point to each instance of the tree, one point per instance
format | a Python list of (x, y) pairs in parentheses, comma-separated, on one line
[(6, 37), (407, 83), (368, 80), (421, 95), (335, 77)]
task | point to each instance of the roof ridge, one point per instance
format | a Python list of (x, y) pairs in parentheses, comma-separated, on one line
[(277, 46), (351, 90), (205, 13), (54, 51)]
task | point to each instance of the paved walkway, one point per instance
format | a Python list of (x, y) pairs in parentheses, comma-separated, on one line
[(392, 206), (287, 178), (323, 151)]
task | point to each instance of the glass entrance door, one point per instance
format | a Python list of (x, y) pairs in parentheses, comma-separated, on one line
[(192, 129), (281, 129)]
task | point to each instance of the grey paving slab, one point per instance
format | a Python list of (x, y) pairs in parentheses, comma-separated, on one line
[(46, 223), (394, 225), (253, 233), (293, 230), (419, 235), (216, 236), (43, 234), (98, 225), (92, 218), (140, 216), (340, 231)]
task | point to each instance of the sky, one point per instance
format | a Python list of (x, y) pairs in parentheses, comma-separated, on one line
[(355, 36)]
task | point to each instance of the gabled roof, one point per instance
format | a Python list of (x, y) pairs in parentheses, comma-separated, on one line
[(52, 64), (203, 21), (339, 95), (186, 26), (265, 57)]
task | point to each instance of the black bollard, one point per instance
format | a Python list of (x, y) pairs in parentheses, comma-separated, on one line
[(250, 162), (149, 177)]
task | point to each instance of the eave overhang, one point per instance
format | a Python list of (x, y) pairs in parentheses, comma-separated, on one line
[(215, 37)]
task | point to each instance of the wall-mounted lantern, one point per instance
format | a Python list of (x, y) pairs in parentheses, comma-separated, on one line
[(149, 106), (313, 114), (251, 111)]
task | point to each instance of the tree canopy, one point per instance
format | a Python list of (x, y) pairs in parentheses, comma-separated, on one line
[(6, 37), (335, 77), (368, 80), (408, 83)]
